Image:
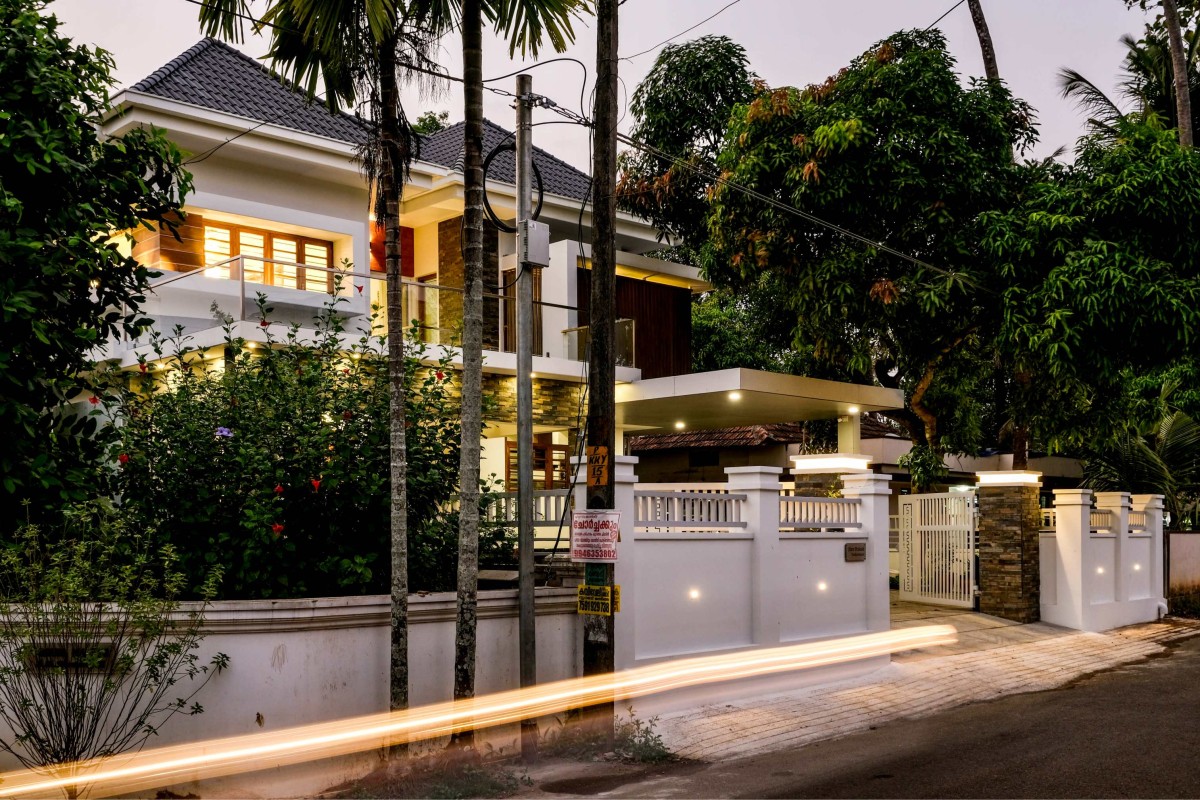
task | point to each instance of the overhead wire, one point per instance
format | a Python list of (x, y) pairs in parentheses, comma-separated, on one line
[(944, 15), (668, 40)]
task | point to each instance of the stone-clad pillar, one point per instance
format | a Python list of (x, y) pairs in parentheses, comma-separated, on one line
[(1009, 554)]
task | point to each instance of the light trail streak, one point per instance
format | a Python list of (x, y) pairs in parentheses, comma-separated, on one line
[(217, 757)]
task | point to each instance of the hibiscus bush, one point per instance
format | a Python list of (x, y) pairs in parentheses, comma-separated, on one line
[(270, 460)]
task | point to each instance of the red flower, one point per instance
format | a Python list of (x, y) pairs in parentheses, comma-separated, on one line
[(262, 323), (142, 367), (356, 286), (123, 458), (278, 488), (347, 414), (94, 400), (441, 376), (316, 484), (276, 529), (346, 371)]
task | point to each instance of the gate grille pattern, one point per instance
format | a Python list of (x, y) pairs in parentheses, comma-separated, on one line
[(937, 548)]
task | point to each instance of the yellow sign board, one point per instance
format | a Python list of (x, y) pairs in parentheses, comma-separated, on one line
[(597, 466), (600, 600)]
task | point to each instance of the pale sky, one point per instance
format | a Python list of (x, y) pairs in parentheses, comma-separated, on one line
[(789, 42)]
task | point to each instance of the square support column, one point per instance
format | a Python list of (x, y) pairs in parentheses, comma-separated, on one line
[(1009, 551)]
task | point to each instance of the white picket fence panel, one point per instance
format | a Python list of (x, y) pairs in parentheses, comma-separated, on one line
[(709, 510), (818, 513)]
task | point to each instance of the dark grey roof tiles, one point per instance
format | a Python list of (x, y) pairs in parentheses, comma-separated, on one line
[(211, 74), (445, 148)]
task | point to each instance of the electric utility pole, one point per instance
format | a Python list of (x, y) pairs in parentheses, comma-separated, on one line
[(526, 616), (601, 429)]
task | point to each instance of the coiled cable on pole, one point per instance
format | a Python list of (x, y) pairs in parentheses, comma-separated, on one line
[(510, 147)]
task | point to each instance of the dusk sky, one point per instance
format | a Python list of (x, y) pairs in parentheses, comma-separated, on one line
[(789, 42)]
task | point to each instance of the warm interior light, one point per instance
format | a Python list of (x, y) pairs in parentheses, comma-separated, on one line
[(735, 396), (679, 425), (852, 410), (830, 462), (533, 374), (1009, 477), (694, 594), (251, 345)]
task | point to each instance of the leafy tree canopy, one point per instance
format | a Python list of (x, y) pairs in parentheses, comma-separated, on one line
[(682, 108), (1097, 266), (896, 149), (65, 286)]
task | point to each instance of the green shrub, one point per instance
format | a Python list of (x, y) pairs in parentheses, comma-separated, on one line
[(95, 652), (272, 462)]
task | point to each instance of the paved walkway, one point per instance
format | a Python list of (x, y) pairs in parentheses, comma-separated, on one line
[(992, 658)]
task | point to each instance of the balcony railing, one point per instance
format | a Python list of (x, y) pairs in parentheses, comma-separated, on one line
[(435, 309), (577, 340)]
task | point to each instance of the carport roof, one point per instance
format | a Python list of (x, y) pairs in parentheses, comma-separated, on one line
[(732, 397)]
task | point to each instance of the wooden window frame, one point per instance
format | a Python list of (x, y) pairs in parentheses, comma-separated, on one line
[(235, 246)]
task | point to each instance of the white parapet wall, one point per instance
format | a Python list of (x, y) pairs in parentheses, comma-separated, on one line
[(719, 568), (1102, 565), (296, 662)]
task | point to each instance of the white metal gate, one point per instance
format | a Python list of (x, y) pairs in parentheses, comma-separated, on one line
[(937, 548)]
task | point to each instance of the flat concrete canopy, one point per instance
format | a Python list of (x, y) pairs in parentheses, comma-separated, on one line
[(732, 397)]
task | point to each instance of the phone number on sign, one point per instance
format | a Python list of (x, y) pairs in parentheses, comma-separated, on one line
[(595, 554)]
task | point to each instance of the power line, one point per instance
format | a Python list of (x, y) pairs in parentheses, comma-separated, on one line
[(681, 33), (943, 16), (764, 198)]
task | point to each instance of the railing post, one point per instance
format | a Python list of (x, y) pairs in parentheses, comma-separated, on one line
[(241, 268), (1152, 506), (1118, 504), (872, 492), (761, 487), (1072, 541)]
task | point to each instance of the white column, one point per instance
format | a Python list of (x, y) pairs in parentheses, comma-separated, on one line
[(1118, 504), (761, 487), (1072, 528), (1152, 506), (872, 492), (850, 433)]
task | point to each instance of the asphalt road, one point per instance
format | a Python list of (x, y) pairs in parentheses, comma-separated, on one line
[(1129, 732)]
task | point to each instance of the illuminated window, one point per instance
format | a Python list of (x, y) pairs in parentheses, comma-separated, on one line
[(274, 259)]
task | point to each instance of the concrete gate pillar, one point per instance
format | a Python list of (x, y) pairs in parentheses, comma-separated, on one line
[(1009, 555)]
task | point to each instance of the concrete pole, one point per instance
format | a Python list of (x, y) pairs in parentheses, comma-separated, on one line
[(527, 612)]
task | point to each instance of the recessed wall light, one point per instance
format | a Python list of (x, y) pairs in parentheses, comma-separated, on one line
[(735, 396), (852, 410)]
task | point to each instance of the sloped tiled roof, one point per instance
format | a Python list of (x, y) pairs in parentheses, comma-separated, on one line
[(445, 148), (873, 427), (740, 436), (211, 74)]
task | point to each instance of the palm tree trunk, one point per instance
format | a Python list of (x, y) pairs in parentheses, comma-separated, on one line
[(472, 356), (1183, 95), (985, 40), (393, 145)]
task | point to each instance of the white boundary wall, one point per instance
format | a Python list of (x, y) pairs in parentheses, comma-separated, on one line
[(721, 576), (1102, 568), (295, 662)]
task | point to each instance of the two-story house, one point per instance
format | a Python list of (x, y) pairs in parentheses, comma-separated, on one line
[(280, 205)]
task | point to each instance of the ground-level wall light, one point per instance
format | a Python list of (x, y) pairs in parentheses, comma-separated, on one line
[(1137, 567), (822, 586), (1099, 570), (694, 594)]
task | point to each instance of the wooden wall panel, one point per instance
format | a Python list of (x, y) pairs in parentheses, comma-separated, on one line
[(662, 322)]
